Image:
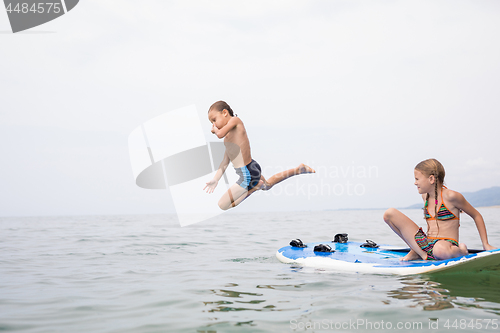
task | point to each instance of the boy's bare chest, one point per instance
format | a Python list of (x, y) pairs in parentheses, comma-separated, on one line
[(237, 135)]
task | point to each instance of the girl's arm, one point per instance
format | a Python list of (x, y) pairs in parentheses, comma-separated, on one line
[(212, 184), (459, 201), (222, 132)]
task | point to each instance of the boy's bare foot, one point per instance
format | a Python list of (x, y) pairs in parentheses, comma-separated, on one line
[(305, 169)]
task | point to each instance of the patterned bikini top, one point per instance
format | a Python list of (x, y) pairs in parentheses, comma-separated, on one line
[(443, 214)]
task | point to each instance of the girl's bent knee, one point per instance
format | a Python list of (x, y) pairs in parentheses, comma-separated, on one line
[(443, 250), (388, 214)]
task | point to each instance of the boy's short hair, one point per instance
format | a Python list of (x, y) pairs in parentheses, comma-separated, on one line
[(221, 105)]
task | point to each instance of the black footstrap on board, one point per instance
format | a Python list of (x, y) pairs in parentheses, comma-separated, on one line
[(323, 248), (370, 244), (340, 238), (297, 243)]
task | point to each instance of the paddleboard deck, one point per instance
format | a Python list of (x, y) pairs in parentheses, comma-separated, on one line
[(350, 257)]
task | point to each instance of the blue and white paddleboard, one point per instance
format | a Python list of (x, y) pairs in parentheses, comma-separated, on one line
[(350, 257)]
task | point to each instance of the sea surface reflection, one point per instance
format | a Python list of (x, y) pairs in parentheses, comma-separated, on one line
[(437, 292)]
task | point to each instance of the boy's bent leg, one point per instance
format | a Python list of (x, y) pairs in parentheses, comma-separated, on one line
[(232, 197), (259, 186), (281, 176), (405, 228)]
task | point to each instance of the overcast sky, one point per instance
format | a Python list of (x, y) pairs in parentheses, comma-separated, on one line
[(360, 90)]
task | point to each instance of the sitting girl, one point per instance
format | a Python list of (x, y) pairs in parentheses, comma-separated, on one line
[(441, 239)]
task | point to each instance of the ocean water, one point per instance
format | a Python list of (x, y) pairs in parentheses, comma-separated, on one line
[(147, 274)]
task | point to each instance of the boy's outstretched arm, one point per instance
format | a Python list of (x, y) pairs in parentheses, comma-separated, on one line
[(212, 184), (460, 202), (221, 132)]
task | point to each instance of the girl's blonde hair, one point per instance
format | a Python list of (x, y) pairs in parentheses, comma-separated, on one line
[(432, 167)]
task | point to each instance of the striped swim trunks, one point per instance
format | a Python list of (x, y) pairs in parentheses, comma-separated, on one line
[(249, 175)]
